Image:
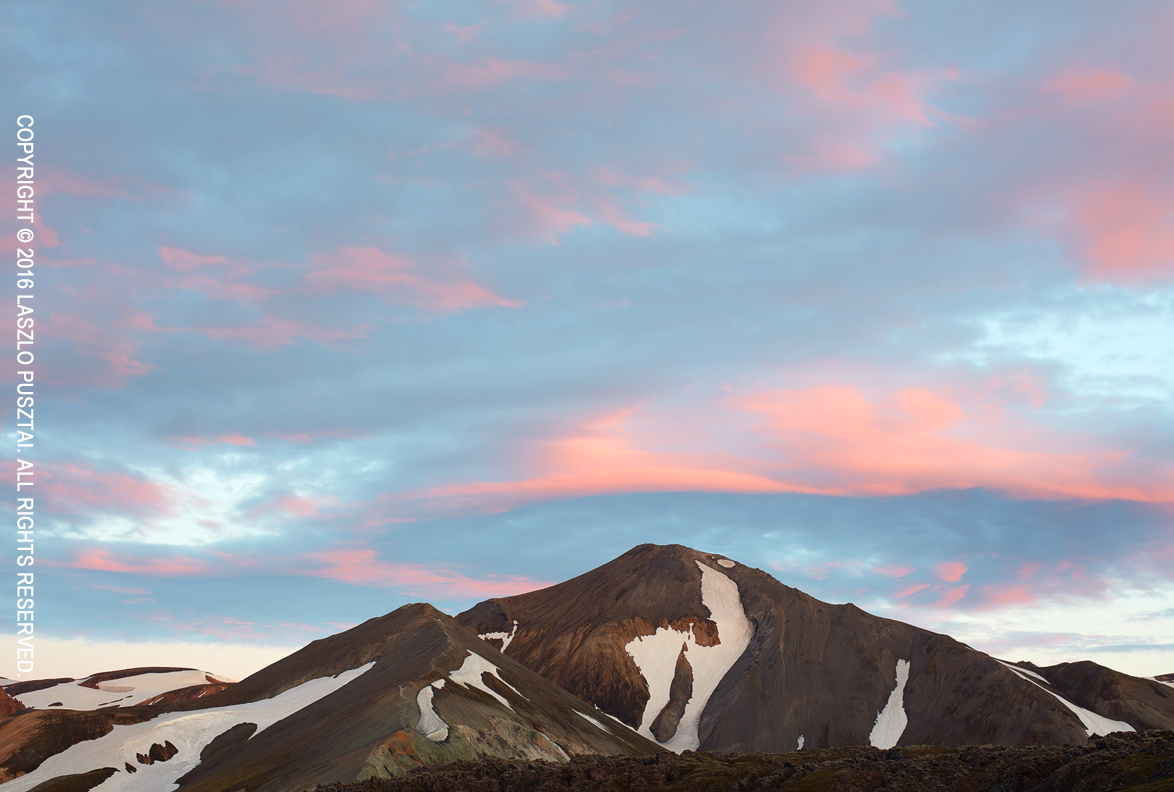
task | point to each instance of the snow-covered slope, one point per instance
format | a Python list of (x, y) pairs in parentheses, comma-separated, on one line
[(122, 691), (1093, 723), (189, 732), (657, 657)]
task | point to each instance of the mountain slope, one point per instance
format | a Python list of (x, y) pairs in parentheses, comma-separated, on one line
[(400, 691), (810, 674)]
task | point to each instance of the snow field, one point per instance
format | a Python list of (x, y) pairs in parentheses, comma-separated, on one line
[(124, 692), (430, 724), (656, 657), (469, 675), (190, 732), (892, 720), (505, 637)]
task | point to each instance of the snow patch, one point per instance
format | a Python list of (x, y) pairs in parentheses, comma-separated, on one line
[(593, 720), (190, 732), (800, 748), (430, 724), (1027, 671), (504, 636), (469, 675), (892, 720), (1093, 723), (656, 657), (727, 563), (74, 696), (562, 754)]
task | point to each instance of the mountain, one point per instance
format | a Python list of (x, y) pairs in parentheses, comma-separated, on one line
[(663, 647), (695, 650), (399, 691)]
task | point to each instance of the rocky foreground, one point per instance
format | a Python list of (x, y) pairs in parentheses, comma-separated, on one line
[(1127, 762)]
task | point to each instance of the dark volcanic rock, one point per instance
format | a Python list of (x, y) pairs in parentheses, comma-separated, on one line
[(665, 725), (80, 782), (107, 676), (20, 688), (812, 670), (1142, 702), (1139, 762), (9, 705), (186, 694)]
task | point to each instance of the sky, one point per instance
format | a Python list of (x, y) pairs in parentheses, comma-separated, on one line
[(344, 305)]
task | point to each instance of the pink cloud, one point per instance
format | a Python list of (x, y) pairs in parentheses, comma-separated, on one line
[(823, 62), (293, 505), (894, 571), (600, 456), (103, 561), (666, 184), (543, 8), (995, 597), (80, 488), (339, 19), (398, 279), (118, 589), (494, 142), (1125, 230), (836, 439), (830, 440), (614, 215), (905, 592), (214, 275), (109, 348), (273, 332), (192, 441), (185, 260), (951, 597), (542, 217), (1080, 85), (1028, 569), (311, 437), (363, 567), (950, 571), (464, 34)]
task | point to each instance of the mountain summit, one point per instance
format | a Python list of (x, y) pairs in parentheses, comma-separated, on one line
[(696, 650)]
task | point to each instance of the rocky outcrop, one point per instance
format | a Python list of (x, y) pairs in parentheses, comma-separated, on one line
[(1120, 762), (19, 688), (96, 680), (8, 705), (186, 694)]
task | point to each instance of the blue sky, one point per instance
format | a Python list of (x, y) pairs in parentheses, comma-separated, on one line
[(354, 304)]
